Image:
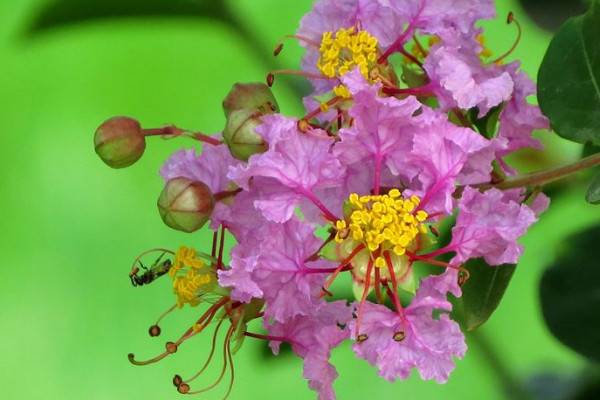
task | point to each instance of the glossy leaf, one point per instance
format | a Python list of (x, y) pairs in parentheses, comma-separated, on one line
[(482, 292), (569, 79), (570, 294)]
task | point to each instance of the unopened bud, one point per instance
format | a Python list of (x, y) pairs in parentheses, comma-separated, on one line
[(250, 96), (240, 134), (120, 142), (185, 205)]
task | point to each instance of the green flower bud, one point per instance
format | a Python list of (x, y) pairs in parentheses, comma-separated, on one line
[(240, 134), (255, 96), (120, 142), (185, 205)]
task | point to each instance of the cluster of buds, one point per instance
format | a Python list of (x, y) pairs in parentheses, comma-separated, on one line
[(361, 184)]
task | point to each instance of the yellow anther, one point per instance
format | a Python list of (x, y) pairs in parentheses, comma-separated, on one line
[(344, 50), (383, 222), (324, 107), (485, 51), (394, 193), (188, 287), (380, 262), (422, 216), (185, 257), (342, 91)]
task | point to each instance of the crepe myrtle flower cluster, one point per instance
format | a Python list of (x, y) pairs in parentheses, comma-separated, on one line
[(408, 125)]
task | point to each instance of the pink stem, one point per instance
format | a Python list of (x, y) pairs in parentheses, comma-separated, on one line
[(311, 196), (402, 38)]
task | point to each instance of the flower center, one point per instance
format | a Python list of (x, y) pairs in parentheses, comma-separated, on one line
[(191, 277), (345, 50), (383, 223)]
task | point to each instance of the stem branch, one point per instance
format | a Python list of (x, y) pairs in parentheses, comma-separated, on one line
[(544, 177)]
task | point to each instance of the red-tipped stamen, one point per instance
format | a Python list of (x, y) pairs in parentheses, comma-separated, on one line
[(232, 371), (411, 57), (164, 314), (319, 110), (267, 337), (213, 252), (221, 248), (430, 261), (425, 90), (277, 50), (210, 355), (378, 294), (308, 75), (364, 297), (509, 20), (226, 194), (315, 255), (343, 265), (304, 39), (394, 294), (438, 252), (225, 362)]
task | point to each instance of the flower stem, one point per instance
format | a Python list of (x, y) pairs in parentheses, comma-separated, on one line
[(544, 177)]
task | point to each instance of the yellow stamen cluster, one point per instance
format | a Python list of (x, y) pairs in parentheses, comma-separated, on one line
[(190, 275), (383, 222), (345, 50)]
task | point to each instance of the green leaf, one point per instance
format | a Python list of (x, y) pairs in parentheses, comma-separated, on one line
[(64, 12), (487, 125), (482, 292), (569, 79), (570, 294), (593, 194)]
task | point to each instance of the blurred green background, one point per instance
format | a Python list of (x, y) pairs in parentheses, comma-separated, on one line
[(71, 226)]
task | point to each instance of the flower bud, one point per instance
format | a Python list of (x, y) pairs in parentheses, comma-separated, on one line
[(253, 96), (185, 205), (240, 134), (120, 142)]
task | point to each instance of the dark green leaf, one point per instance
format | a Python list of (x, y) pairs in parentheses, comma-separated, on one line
[(482, 292), (487, 125), (570, 294), (63, 12), (550, 14), (593, 193), (569, 79)]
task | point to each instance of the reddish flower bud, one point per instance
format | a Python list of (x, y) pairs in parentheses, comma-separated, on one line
[(185, 205), (254, 96), (120, 142)]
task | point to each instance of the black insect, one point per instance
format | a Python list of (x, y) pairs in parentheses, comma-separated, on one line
[(156, 270)]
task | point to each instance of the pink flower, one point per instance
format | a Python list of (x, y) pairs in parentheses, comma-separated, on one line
[(209, 167), (274, 264), (438, 16), (461, 80), (445, 155), (376, 17), (312, 337), (519, 119), (418, 340), (488, 226), (296, 163)]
